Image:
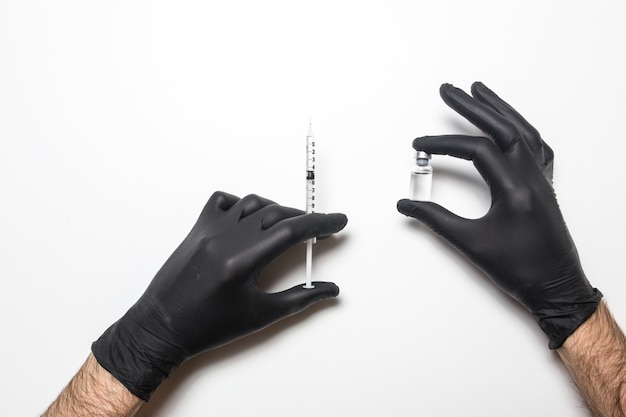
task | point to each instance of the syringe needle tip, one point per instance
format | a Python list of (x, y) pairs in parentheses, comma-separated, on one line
[(310, 131)]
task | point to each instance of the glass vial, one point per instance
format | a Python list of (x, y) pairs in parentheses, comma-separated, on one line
[(421, 177)]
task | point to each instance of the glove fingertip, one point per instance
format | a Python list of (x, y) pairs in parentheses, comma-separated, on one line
[(222, 200), (436, 217), (298, 298), (479, 87), (407, 207), (445, 90), (320, 291), (338, 220)]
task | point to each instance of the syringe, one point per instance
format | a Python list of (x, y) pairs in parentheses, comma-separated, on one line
[(310, 199)]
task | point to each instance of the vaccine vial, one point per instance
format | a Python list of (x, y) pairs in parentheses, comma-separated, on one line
[(421, 177)]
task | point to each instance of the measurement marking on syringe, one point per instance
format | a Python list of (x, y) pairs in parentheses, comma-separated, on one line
[(310, 199)]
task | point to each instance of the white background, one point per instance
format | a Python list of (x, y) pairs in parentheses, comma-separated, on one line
[(119, 119)]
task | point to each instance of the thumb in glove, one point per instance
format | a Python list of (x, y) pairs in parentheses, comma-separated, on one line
[(206, 294), (522, 243)]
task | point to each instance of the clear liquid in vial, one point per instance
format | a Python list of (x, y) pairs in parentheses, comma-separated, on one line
[(421, 178)]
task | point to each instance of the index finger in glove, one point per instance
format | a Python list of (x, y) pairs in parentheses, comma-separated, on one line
[(486, 156), (290, 231), (276, 213)]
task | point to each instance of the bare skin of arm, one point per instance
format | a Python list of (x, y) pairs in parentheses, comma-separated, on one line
[(94, 392), (595, 355)]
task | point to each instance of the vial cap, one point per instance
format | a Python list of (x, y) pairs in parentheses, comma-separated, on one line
[(422, 155)]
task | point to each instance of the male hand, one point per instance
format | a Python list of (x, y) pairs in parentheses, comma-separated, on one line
[(206, 294), (522, 243)]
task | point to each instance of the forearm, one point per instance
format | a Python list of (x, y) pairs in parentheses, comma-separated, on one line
[(94, 392), (595, 355)]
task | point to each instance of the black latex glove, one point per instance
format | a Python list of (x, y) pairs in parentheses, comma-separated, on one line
[(522, 243), (206, 295)]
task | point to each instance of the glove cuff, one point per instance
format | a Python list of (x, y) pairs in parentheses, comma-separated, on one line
[(128, 353), (559, 322)]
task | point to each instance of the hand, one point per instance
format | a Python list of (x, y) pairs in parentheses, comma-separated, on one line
[(522, 243), (205, 295)]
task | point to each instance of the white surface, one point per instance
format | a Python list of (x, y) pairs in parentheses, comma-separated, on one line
[(118, 120)]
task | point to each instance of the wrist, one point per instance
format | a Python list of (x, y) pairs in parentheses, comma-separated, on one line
[(138, 359), (109, 386), (561, 318), (94, 391), (595, 355), (600, 328)]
